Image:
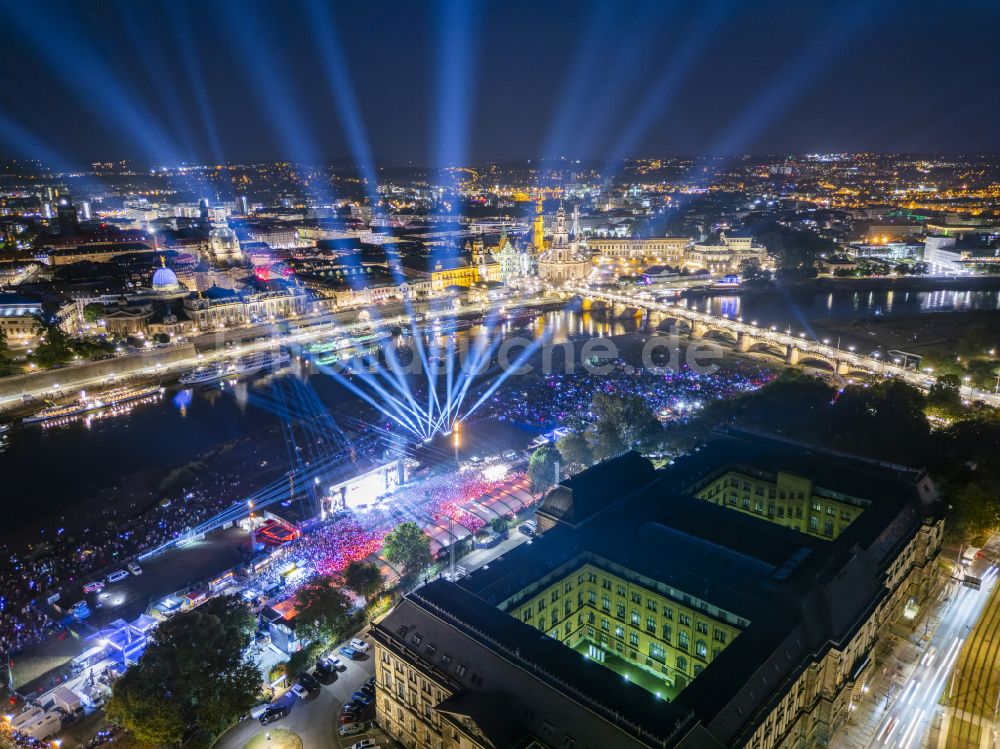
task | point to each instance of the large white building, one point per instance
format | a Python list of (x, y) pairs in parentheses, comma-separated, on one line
[(565, 257)]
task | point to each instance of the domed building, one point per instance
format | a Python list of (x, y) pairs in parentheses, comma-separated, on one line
[(224, 246), (565, 257), (165, 281)]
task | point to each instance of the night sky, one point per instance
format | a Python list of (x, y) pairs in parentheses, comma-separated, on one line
[(449, 82)]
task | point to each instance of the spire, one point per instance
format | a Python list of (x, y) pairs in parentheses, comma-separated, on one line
[(576, 221)]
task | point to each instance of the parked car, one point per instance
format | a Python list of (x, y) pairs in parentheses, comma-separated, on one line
[(370, 680), (352, 707), (117, 576), (358, 644), (134, 568), (347, 652), (307, 680), (335, 662), (351, 729), (256, 712), (525, 530), (361, 697), (349, 718), (273, 713), (324, 669), (95, 586), (300, 691), (364, 744)]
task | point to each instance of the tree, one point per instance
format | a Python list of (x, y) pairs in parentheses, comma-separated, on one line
[(93, 312), (542, 468), (750, 270), (945, 394), (6, 355), (408, 546), (794, 405), (54, 347), (620, 423), (364, 578), (324, 608), (885, 421), (575, 450), (193, 676), (796, 250)]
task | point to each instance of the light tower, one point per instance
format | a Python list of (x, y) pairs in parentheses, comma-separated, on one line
[(253, 531)]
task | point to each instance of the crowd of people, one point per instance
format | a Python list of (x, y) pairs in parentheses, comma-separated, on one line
[(553, 400), (119, 531), (430, 502)]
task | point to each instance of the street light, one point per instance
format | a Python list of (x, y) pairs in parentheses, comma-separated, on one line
[(253, 531)]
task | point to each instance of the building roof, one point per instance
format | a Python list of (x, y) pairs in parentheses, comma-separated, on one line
[(791, 595)]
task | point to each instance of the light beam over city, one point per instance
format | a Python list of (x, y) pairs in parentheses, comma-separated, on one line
[(616, 374)]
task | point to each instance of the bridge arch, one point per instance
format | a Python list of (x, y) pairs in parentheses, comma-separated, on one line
[(809, 359), (721, 334), (767, 347)]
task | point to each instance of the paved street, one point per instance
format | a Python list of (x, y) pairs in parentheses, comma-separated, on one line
[(314, 718), (303, 331), (901, 708)]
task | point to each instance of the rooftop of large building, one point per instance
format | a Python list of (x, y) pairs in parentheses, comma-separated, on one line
[(791, 595)]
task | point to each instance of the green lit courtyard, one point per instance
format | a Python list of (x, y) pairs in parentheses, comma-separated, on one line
[(649, 681)]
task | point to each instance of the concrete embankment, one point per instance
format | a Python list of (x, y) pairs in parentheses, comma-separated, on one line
[(103, 372)]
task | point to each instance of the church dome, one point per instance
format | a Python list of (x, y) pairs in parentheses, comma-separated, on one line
[(165, 280), (223, 233)]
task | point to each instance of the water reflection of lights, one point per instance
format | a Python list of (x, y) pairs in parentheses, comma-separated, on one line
[(88, 419)]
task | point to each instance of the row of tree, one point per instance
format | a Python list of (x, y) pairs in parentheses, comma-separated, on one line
[(887, 420), (615, 423)]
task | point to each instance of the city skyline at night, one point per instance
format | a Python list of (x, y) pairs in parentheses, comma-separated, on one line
[(460, 374)]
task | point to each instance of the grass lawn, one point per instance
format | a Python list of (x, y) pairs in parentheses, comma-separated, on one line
[(281, 738)]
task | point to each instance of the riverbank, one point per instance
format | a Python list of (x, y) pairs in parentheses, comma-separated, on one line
[(826, 284)]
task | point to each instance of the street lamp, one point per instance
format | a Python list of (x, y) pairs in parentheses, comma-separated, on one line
[(253, 531)]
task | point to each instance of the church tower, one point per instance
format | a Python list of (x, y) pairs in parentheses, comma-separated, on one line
[(538, 228)]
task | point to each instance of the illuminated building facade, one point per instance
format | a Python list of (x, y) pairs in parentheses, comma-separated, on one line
[(724, 255), (669, 250), (565, 258), (224, 308), (656, 610)]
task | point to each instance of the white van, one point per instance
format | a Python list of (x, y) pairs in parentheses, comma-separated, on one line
[(48, 725), (134, 568), (117, 576)]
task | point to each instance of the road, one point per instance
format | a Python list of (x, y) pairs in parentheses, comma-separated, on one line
[(914, 702), (313, 718), (303, 330)]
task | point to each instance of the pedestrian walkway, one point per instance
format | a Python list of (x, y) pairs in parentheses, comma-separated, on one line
[(888, 677)]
